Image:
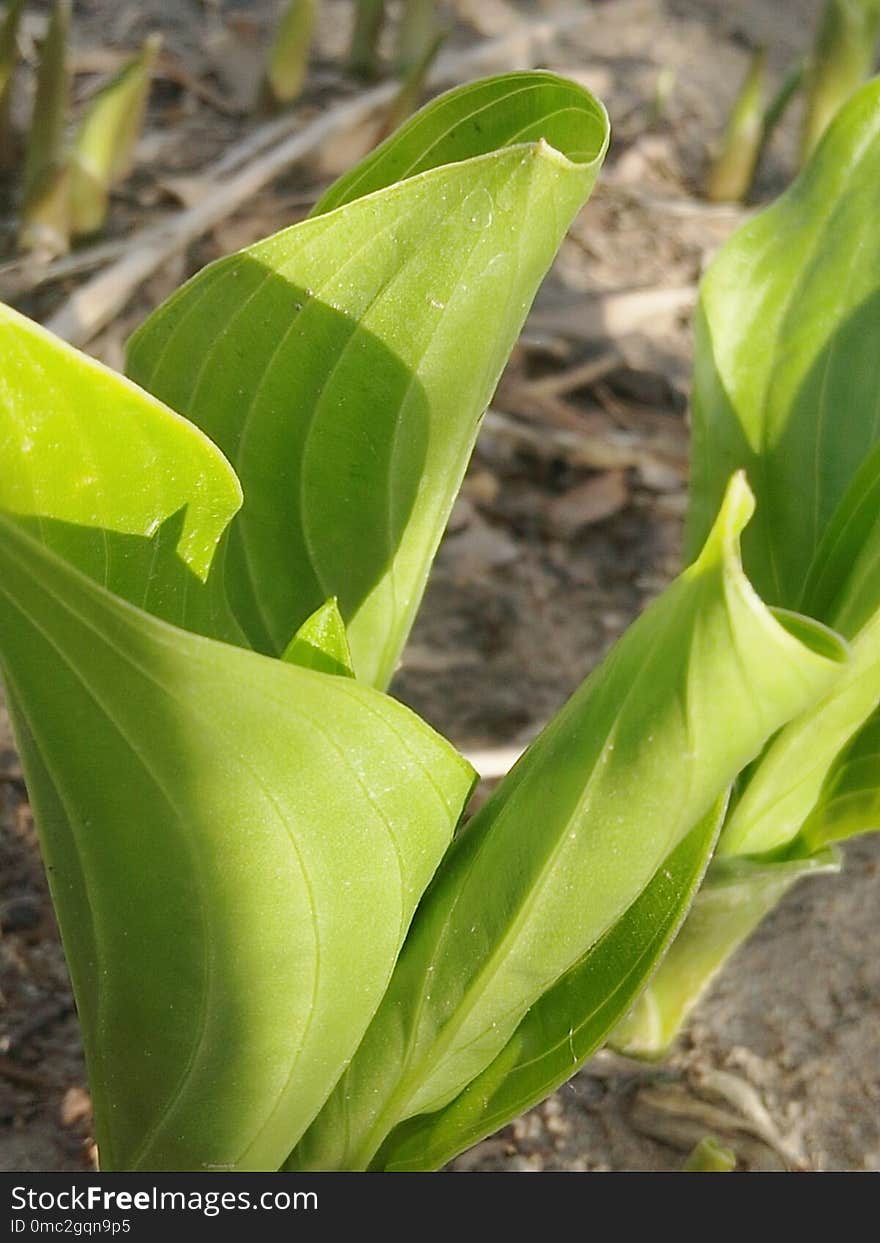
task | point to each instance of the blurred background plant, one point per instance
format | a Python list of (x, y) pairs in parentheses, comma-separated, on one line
[(67, 160), (843, 57)]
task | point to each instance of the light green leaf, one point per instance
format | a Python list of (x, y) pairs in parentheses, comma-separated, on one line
[(470, 121), (321, 643), (710, 1156), (632, 763), (253, 815), (343, 365), (849, 802), (843, 585), (781, 791), (735, 897), (787, 365), (115, 482), (843, 588), (569, 1022)]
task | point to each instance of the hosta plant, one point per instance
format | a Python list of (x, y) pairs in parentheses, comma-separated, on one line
[(786, 387), (290, 948)]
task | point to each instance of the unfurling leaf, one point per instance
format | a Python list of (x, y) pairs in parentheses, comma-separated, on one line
[(785, 377), (635, 760), (321, 643), (735, 897), (785, 386), (359, 376)]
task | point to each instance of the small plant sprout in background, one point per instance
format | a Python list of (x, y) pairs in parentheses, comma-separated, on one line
[(412, 86), (103, 151), (65, 191), (288, 59), (733, 171), (750, 128), (844, 55), (363, 56), (8, 62), (710, 1156), (45, 215), (416, 32)]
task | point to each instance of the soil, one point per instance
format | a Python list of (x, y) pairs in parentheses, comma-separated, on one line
[(556, 544)]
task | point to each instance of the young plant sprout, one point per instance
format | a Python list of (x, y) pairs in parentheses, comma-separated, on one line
[(843, 57), (288, 60), (8, 61), (103, 153), (733, 170), (289, 946), (45, 195)]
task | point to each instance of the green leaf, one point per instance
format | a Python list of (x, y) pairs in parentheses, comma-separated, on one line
[(787, 364), (849, 802), (218, 829), (112, 480), (343, 365), (473, 120), (843, 588), (569, 1022), (574, 834), (735, 897), (843, 585), (781, 791), (321, 643), (710, 1156)]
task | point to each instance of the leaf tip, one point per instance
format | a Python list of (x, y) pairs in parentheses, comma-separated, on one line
[(733, 517)]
